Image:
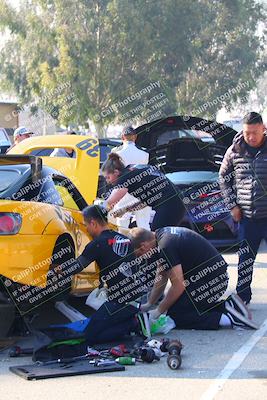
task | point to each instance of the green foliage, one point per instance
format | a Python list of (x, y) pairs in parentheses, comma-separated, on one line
[(75, 58)]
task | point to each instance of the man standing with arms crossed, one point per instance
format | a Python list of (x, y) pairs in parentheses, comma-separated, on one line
[(243, 180), (130, 154)]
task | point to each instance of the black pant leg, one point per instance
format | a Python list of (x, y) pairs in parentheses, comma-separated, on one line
[(111, 321), (250, 235), (168, 213), (186, 316)]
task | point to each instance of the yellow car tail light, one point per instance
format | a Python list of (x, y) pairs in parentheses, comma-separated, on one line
[(10, 223)]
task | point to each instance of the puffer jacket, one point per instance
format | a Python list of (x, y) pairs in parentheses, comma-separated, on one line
[(243, 179)]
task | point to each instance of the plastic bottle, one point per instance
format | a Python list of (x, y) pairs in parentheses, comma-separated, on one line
[(125, 360)]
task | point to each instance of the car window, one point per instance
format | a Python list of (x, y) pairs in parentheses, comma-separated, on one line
[(49, 193), (8, 178), (70, 196), (105, 149), (63, 152), (4, 140), (57, 152), (41, 152), (66, 198), (167, 136)]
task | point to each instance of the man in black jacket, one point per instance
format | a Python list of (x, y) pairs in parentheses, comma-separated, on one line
[(243, 180)]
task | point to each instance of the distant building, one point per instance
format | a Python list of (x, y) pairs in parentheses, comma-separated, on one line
[(11, 117), (8, 114)]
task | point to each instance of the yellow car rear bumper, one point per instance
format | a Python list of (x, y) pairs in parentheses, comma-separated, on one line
[(26, 258)]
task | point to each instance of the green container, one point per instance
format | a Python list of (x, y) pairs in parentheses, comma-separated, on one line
[(125, 360)]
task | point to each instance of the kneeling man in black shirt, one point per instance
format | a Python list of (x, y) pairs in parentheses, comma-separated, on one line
[(114, 254), (198, 276)]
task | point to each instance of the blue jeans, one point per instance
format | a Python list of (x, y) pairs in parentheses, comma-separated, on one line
[(251, 233), (110, 322)]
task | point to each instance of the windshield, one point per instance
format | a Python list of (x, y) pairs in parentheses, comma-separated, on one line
[(191, 177), (105, 149), (167, 136), (8, 178)]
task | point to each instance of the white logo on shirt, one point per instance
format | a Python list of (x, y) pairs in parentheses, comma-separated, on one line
[(120, 245), (126, 270)]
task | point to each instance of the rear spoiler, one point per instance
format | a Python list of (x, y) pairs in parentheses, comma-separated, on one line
[(34, 162)]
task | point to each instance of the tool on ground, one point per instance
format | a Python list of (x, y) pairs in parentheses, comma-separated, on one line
[(105, 363), (17, 351), (145, 353), (148, 355), (64, 360), (118, 351), (164, 345), (36, 372), (126, 360), (174, 359)]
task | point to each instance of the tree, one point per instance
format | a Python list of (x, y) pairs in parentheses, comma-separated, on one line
[(80, 59)]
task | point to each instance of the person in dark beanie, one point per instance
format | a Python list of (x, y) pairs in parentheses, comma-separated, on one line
[(243, 180)]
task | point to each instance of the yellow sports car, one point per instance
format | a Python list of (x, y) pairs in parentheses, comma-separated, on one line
[(41, 223)]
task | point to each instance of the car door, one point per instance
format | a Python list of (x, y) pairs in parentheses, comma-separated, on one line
[(82, 170), (70, 210)]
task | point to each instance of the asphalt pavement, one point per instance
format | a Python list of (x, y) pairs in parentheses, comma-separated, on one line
[(225, 364)]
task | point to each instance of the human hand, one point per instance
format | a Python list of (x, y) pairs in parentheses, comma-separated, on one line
[(236, 213), (145, 307)]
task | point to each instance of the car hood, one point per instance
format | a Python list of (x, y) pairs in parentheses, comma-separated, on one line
[(148, 133), (186, 153)]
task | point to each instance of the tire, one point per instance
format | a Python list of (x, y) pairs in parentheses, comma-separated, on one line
[(60, 245), (25, 306)]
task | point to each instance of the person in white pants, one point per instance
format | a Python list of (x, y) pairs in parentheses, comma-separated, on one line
[(131, 154)]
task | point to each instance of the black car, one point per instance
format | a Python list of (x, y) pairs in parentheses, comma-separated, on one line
[(189, 151)]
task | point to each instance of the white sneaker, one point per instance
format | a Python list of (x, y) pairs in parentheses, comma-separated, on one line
[(237, 303), (239, 320)]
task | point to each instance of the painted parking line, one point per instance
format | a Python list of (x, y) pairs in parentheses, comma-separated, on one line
[(234, 363)]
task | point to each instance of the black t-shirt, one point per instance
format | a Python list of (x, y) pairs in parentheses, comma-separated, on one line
[(204, 269), (114, 255), (147, 184)]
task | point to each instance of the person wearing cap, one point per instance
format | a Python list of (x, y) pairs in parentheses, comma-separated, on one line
[(20, 134), (131, 154), (128, 151)]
